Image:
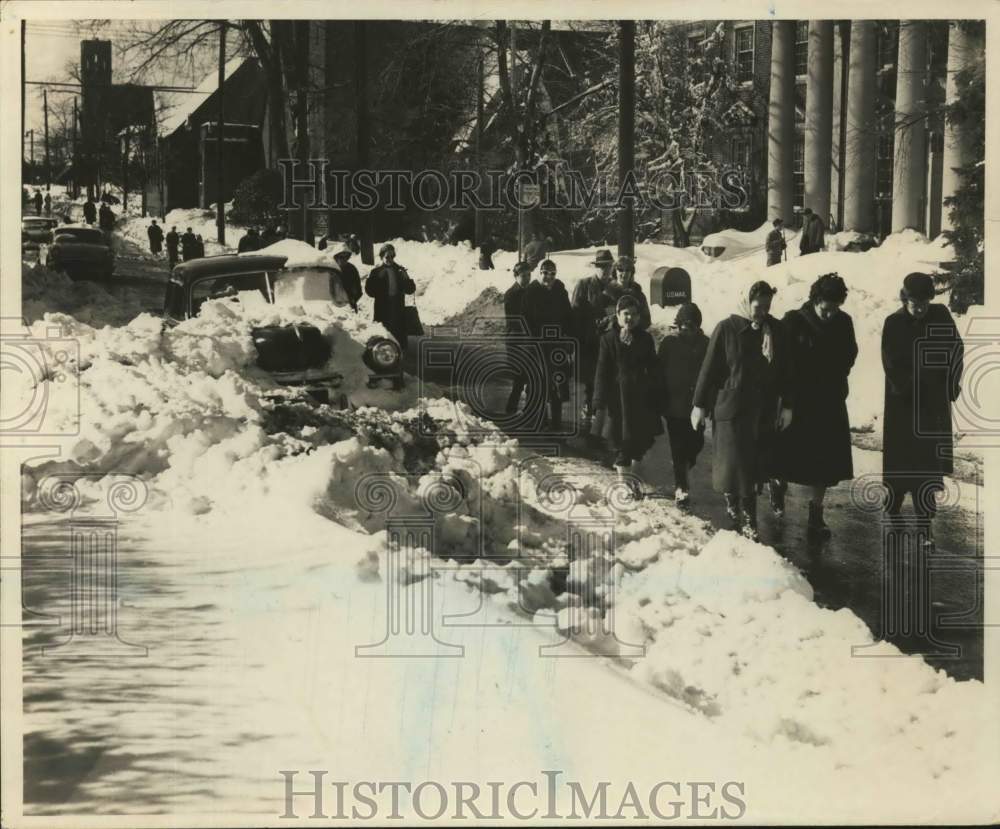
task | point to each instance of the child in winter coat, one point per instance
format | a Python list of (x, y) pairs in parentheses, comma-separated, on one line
[(681, 353)]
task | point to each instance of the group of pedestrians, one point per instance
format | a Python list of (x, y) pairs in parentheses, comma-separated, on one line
[(186, 246), (811, 240), (42, 204), (775, 390)]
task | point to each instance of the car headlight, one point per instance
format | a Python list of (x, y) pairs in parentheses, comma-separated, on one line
[(385, 353), (382, 355)]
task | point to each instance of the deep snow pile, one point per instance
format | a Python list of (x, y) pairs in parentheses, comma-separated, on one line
[(44, 290), (448, 280)]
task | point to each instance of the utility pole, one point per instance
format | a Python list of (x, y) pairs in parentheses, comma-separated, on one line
[(31, 154), (513, 95), (76, 172), (23, 88), (626, 132), (478, 229), (48, 168), (220, 209), (363, 137)]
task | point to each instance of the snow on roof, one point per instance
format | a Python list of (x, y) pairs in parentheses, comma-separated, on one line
[(179, 106)]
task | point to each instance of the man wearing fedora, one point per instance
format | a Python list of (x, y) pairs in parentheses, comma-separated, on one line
[(593, 308), (922, 354)]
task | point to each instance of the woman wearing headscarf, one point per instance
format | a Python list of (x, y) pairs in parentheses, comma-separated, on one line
[(743, 383), (628, 387), (923, 358), (815, 450)]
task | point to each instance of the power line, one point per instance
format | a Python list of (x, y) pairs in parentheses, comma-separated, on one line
[(190, 89)]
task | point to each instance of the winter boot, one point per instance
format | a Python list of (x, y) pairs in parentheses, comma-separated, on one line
[(628, 480), (682, 498), (817, 527), (749, 524), (776, 490)]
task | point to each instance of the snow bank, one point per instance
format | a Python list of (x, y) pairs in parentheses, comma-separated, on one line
[(44, 290), (132, 229)]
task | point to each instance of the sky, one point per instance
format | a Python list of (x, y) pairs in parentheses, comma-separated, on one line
[(51, 44)]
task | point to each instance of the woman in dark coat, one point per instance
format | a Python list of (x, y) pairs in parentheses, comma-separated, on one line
[(743, 379), (681, 353), (815, 450), (388, 285), (922, 354), (550, 319), (628, 386)]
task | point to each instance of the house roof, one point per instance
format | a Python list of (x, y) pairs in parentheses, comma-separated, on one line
[(179, 106)]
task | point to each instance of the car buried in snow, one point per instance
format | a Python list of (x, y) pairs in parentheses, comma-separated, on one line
[(80, 252), (296, 354), (36, 231)]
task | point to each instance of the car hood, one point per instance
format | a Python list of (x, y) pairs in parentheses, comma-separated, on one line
[(293, 347)]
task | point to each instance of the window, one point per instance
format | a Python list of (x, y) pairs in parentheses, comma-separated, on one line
[(883, 167), (739, 152), (240, 287), (799, 170), (801, 47), (743, 53)]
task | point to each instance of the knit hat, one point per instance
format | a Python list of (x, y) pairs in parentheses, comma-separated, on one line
[(382, 251), (688, 313), (918, 286), (603, 257), (547, 265)]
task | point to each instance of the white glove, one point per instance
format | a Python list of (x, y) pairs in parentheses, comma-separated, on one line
[(697, 418), (784, 419)]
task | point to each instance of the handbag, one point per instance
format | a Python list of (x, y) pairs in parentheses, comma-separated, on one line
[(411, 321)]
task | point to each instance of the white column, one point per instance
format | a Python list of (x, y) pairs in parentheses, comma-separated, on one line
[(819, 118), (859, 161), (909, 167), (781, 122), (957, 149)]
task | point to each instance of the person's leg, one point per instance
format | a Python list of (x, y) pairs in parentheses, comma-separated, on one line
[(817, 525), (516, 388), (679, 457), (733, 510), (748, 506)]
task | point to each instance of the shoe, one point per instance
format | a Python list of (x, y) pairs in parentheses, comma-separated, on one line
[(733, 512), (749, 531), (681, 497), (776, 491), (817, 527)]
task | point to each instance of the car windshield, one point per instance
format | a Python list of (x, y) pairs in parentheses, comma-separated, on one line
[(82, 234), (246, 288), (299, 284)]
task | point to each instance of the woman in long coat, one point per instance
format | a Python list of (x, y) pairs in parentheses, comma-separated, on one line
[(922, 354), (743, 379), (628, 387), (815, 450)]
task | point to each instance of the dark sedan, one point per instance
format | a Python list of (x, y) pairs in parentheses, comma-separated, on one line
[(36, 231), (294, 355), (81, 252)]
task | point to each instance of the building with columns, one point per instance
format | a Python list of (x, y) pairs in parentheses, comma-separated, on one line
[(845, 117)]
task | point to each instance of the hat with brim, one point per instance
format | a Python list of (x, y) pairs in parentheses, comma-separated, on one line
[(603, 257), (919, 286)]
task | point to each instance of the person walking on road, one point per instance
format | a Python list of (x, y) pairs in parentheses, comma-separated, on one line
[(89, 211), (349, 276), (38, 201), (189, 245), (486, 250), (593, 308), (249, 241), (155, 234), (776, 244), (48, 204), (550, 318), (681, 353), (743, 382), (815, 450), (388, 284), (173, 243), (106, 218), (628, 387), (536, 250), (199, 247), (519, 355), (923, 358), (813, 233), (625, 272)]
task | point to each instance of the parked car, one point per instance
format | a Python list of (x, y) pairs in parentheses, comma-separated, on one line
[(295, 355), (81, 252), (36, 231), (736, 244)]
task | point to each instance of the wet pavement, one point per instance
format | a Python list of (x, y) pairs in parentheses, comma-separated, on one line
[(937, 594)]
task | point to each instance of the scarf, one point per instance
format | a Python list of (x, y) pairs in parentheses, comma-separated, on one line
[(767, 344), (625, 335)]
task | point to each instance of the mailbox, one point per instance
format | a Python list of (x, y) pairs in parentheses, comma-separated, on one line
[(670, 286)]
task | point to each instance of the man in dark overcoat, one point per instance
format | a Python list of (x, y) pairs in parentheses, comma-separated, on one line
[(922, 354)]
